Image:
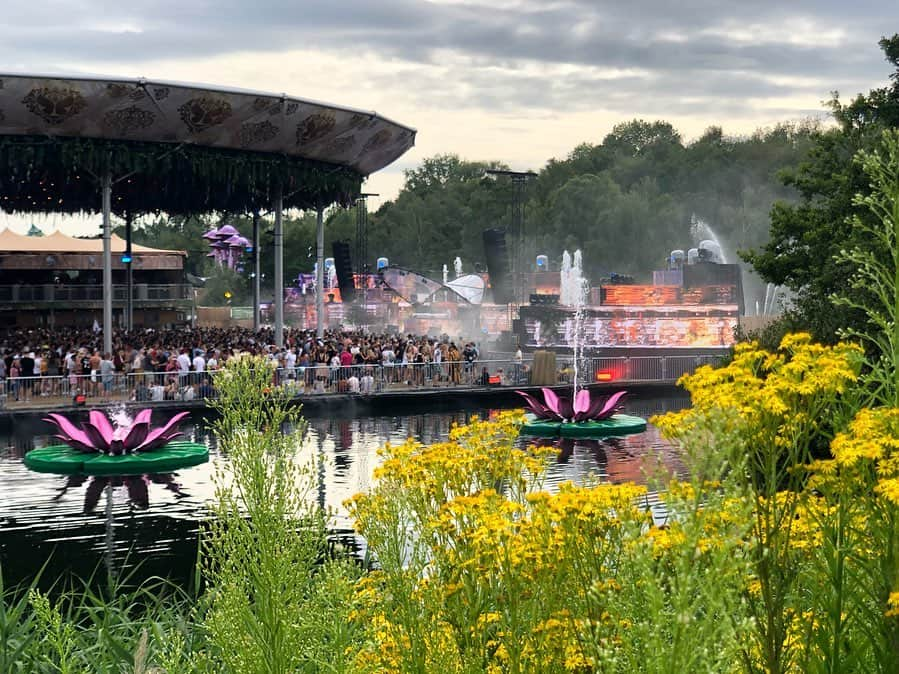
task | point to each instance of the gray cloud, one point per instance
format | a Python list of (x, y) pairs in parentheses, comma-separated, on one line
[(678, 56)]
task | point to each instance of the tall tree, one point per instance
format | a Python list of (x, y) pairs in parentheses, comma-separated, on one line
[(806, 238), (444, 206)]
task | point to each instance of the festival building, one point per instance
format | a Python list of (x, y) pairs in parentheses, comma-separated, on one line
[(57, 280)]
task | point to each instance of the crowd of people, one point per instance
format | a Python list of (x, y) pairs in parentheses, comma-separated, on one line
[(180, 364)]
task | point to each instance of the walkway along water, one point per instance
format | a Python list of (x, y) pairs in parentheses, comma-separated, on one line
[(391, 382)]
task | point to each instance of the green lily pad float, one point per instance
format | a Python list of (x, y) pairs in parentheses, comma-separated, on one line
[(63, 460), (617, 424), (540, 427)]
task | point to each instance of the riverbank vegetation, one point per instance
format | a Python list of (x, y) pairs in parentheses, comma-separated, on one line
[(776, 553)]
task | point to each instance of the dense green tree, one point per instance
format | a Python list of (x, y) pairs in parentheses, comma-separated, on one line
[(805, 238), (225, 286), (441, 212)]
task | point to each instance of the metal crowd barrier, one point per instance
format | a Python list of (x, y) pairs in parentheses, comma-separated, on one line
[(320, 379)]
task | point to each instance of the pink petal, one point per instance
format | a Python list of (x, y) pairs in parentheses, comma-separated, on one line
[(96, 437), (552, 401), (157, 434), (139, 430), (101, 422), (69, 429), (136, 435), (566, 408), (74, 444), (143, 417), (535, 406), (595, 408), (611, 404), (159, 441), (582, 401)]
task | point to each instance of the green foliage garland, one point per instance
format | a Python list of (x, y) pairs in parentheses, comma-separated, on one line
[(61, 175)]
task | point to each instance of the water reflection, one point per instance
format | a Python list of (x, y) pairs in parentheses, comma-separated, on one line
[(136, 487), (153, 519)]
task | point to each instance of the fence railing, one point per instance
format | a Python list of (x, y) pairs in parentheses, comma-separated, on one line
[(50, 292), (354, 379)]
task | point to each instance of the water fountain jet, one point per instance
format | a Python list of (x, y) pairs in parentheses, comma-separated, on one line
[(577, 415)]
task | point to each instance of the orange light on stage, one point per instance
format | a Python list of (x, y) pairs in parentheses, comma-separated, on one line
[(604, 375)]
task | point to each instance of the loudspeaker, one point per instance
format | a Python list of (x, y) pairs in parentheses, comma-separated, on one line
[(343, 265), (710, 274), (498, 265)]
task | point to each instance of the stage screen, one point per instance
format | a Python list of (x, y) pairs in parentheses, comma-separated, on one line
[(671, 327)]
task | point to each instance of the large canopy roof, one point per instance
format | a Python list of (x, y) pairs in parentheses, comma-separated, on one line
[(181, 148)]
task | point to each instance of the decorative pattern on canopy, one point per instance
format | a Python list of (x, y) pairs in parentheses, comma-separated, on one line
[(189, 148)]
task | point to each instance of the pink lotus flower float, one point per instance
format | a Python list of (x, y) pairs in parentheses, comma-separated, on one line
[(99, 435), (583, 415), (129, 447)]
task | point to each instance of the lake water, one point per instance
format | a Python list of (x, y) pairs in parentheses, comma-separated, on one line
[(83, 525)]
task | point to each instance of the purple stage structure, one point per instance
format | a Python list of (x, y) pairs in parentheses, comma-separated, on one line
[(227, 245)]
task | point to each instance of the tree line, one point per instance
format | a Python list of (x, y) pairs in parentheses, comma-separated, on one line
[(626, 202)]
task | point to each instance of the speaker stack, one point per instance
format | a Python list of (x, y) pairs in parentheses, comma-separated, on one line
[(498, 265), (343, 265)]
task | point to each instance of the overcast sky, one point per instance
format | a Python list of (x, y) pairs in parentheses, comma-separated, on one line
[(520, 81)]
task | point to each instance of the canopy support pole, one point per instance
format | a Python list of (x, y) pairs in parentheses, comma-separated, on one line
[(129, 304), (279, 268), (320, 273), (106, 188), (256, 271)]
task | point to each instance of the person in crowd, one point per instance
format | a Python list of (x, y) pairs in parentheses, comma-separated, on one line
[(137, 362), (183, 362), (352, 383), (206, 390), (14, 378), (95, 373), (142, 392), (84, 359), (366, 383), (172, 390), (485, 377), (199, 363), (212, 365), (51, 369), (454, 358), (516, 364), (469, 355), (107, 371), (26, 373), (290, 363)]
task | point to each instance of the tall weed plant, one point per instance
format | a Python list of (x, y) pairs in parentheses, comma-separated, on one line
[(875, 280), (265, 557)]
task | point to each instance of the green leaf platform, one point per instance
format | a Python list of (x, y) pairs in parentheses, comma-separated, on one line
[(63, 460), (617, 424)]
